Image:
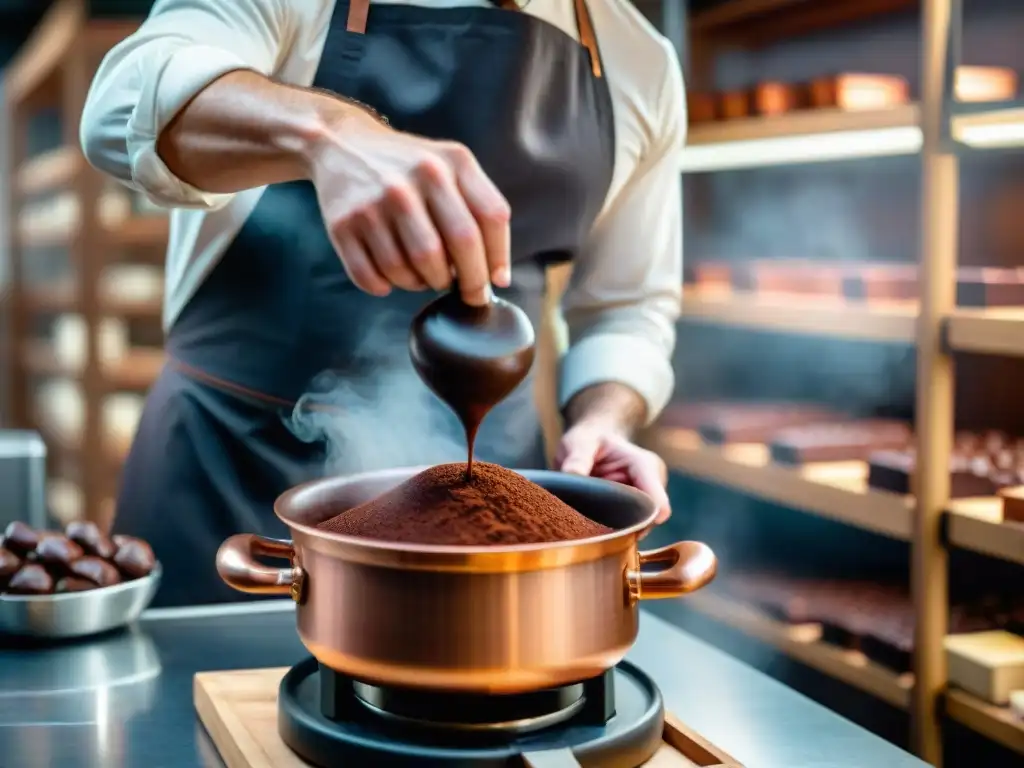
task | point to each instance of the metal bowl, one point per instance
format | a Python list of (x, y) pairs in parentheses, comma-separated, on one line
[(77, 614)]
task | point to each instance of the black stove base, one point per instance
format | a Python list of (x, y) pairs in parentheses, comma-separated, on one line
[(358, 736)]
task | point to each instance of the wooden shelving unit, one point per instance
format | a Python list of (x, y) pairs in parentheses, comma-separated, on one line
[(758, 22), (58, 204), (977, 525), (995, 129), (804, 137), (938, 131), (803, 643), (836, 491), (997, 723), (988, 331), (802, 315)]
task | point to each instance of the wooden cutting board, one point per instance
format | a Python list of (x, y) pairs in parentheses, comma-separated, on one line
[(239, 711)]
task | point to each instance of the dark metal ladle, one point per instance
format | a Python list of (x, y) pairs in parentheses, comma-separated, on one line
[(471, 357)]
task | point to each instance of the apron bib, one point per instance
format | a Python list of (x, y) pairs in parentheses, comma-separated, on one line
[(282, 370)]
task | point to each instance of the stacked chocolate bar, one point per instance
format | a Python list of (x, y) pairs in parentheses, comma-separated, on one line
[(759, 423), (882, 282), (876, 619), (981, 465), (847, 441), (976, 286), (722, 422), (691, 415)]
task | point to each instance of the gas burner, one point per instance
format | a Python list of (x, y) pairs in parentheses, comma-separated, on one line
[(611, 721), (468, 713)]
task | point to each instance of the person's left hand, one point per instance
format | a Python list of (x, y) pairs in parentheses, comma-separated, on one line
[(595, 450)]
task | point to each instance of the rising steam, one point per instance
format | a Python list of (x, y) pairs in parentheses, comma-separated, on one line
[(385, 417)]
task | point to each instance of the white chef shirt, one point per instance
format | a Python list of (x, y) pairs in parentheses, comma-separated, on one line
[(623, 299)]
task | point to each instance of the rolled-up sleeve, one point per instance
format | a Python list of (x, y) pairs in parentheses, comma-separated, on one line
[(624, 295), (143, 82)]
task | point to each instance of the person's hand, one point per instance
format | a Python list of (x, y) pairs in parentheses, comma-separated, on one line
[(408, 212), (598, 451)]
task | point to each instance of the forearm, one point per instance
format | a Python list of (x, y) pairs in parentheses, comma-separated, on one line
[(244, 131), (609, 404)]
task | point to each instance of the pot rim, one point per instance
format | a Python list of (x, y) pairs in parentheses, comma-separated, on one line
[(379, 546)]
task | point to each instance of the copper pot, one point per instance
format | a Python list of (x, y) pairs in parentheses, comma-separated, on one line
[(472, 619)]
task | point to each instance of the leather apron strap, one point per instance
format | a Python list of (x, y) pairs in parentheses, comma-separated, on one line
[(359, 11)]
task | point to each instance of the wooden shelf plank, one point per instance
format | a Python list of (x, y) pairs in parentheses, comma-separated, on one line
[(136, 371), (61, 298), (70, 449), (737, 11), (835, 491), (137, 231), (977, 525), (998, 331), (763, 21), (995, 129), (996, 723), (807, 136), (802, 315), (39, 58), (851, 667), (48, 171), (40, 360), (142, 231)]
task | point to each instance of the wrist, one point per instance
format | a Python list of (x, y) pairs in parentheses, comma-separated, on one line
[(610, 407), (320, 127)]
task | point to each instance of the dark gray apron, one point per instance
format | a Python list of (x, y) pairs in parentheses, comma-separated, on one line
[(277, 326)]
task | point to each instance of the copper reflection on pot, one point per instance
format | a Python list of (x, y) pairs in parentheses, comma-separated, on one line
[(486, 619)]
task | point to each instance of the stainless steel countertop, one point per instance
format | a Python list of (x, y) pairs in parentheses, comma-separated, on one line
[(126, 699)]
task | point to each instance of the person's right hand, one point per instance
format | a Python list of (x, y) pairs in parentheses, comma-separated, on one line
[(408, 212)]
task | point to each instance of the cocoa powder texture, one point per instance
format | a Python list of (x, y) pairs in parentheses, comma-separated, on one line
[(439, 506)]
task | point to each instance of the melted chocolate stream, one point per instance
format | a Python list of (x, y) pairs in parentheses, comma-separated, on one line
[(471, 357)]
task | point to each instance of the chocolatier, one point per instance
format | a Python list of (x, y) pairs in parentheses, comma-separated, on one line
[(550, 133)]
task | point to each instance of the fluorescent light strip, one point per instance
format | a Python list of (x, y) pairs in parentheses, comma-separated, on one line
[(812, 148)]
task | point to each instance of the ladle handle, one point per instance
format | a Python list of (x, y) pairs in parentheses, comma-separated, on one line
[(238, 567), (689, 566)]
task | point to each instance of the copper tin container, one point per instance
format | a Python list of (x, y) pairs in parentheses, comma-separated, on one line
[(701, 107), (712, 275), (734, 105), (774, 98), (974, 84), (503, 619), (854, 92), (792, 276)]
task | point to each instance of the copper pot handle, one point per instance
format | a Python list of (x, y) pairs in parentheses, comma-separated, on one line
[(689, 566), (238, 567)]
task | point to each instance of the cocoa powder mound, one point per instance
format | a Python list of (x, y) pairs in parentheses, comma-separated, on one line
[(439, 506)]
